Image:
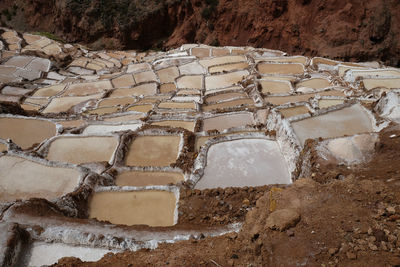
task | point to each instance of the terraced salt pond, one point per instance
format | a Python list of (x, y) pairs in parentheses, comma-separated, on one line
[(26, 179), (224, 80), (140, 178), (153, 208), (188, 125), (275, 87), (277, 68), (227, 121), (294, 111), (64, 104), (153, 151), (314, 83), (56, 251), (393, 83), (108, 129), (231, 164), (26, 131), (347, 121), (83, 149), (119, 135), (326, 103)]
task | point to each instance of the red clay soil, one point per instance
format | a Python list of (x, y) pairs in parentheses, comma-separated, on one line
[(351, 221), (342, 29)]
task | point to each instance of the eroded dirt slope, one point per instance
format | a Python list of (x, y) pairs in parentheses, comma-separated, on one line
[(347, 30)]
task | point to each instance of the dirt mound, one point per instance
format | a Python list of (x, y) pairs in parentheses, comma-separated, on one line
[(346, 30)]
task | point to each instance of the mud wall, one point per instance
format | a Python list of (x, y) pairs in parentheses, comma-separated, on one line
[(346, 30)]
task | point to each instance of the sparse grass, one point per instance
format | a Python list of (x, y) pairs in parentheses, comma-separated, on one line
[(50, 36)]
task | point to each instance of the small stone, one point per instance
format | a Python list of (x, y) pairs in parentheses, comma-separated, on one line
[(282, 219), (344, 247), (392, 238), (391, 210), (370, 231), (290, 233), (332, 251), (351, 256), (372, 247), (384, 246), (246, 202), (380, 235)]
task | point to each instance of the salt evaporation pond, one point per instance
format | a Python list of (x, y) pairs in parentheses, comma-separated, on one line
[(55, 251), (245, 162), (347, 121)]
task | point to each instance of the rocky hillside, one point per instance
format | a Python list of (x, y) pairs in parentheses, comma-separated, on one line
[(340, 29)]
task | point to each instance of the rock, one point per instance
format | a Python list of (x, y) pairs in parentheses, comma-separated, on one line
[(380, 235), (384, 246), (392, 238), (290, 233), (282, 219), (391, 210), (372, 247), (344, 248), (351, 256), (246, 202), (332, 251)]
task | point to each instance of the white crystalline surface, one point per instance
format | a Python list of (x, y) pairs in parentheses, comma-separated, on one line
[(47, 254), (348, 121), (247, 162)]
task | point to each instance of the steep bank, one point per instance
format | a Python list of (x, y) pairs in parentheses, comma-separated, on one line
[(347, 30)]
